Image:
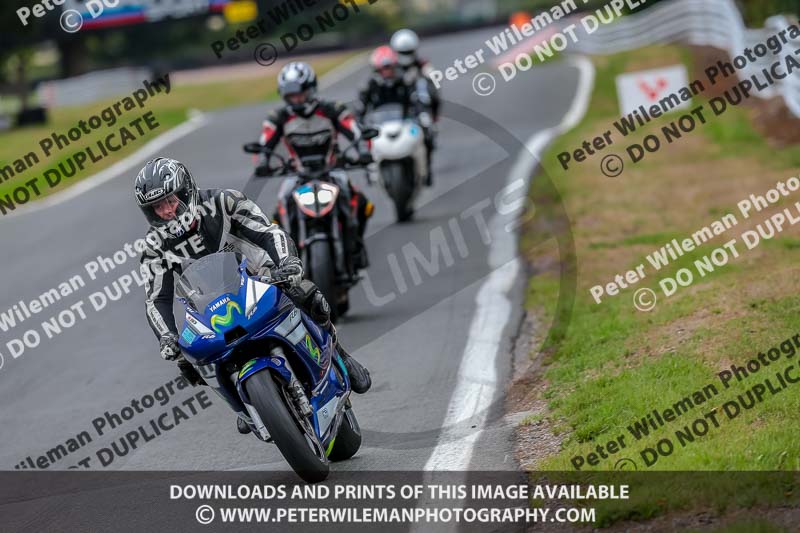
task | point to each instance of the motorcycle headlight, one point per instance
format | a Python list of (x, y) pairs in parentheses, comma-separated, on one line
[(324, 196), (306, 198)]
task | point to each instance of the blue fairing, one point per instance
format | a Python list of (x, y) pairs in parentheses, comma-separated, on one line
[(259, 315)]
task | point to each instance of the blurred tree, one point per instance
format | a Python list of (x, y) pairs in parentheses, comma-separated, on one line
[(17, 44), (757, 11)]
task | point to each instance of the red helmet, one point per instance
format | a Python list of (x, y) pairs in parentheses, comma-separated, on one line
[(382, 57)]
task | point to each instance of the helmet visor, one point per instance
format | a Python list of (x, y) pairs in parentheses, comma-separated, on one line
[(173, 207), (406, 58), (291, 87), (298, 98), (387, 71), (301, 102)]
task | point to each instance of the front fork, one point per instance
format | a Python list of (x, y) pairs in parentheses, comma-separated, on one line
[(278, 364)]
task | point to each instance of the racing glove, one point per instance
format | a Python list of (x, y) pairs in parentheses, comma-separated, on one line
[(425, 120), (170, 350), (290, 269)]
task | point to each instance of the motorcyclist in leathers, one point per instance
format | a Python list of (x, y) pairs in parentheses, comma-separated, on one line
[(387, 86), (187, 223), (310, 129)]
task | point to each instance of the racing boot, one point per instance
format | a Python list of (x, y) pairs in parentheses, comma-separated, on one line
[(429, 147), (364, 213), (242, 426), (320, 312), (360, 380), (429, 131), (360, 257)]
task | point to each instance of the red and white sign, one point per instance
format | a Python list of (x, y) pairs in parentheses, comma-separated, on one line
[(648, 87)]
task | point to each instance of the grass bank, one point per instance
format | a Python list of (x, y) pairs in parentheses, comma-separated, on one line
[(616, 365)]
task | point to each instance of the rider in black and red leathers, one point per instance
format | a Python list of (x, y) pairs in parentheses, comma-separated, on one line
[(309, 129)]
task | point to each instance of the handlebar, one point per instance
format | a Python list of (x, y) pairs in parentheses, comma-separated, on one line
[(271, 280), (286, 169)]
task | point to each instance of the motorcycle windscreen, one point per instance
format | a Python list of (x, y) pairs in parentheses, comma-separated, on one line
[(208, 278), (386, 113)]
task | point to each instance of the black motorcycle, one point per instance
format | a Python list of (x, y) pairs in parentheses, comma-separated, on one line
[(317, 223)]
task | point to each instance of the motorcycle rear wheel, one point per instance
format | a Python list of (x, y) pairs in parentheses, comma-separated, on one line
[(348, 438), (322, 272)]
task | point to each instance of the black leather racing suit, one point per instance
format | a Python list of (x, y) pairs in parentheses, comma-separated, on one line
[(315, 138), (227, 221), (417, 76), (413, 96), (378, 93)]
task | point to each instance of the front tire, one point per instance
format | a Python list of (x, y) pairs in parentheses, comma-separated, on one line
[(285, 429), (400, 187)]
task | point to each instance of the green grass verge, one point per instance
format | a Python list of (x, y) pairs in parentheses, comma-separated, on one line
[(614, 365)]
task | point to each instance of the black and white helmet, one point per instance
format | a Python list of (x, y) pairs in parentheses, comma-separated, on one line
[(406, 43), (298, 78), (162, 185)]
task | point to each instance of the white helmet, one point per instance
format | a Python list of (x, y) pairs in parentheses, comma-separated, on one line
[(405, 43)]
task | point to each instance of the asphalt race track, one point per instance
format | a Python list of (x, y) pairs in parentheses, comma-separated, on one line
[(414, 346)]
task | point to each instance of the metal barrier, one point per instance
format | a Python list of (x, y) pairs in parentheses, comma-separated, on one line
[(716, 23), (91, 87)]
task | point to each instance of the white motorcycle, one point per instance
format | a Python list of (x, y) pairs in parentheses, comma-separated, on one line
[(400, 157)]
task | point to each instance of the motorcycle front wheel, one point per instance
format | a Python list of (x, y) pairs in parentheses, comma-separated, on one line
[(292, 433), (398, 176)]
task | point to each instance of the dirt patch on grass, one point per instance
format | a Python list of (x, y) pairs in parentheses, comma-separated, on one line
[(770, 117), (533, 439), (708, 520)]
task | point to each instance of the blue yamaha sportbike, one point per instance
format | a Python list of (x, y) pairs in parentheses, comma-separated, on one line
[(270, 362)]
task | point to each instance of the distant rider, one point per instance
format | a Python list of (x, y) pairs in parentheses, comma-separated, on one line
[(221, 220), (416, 75), (310, 128), (386, 86), (406, 43)]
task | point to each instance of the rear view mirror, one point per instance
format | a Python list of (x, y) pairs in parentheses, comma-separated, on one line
[(254, 148)]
